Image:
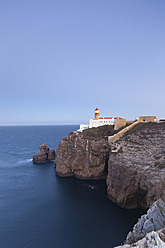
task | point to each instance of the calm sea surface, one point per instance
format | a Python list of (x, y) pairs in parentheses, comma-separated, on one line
[(40, 210)]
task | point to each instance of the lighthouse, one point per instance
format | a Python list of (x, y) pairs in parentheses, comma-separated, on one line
[(97, 121), (97, 113)]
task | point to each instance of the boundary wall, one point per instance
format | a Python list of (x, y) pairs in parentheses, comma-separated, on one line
[(119, 123), (118, 135)]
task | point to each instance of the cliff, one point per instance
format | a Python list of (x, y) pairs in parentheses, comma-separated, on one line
[(84, 155), (149, 231), (135, 163), (136, 167)]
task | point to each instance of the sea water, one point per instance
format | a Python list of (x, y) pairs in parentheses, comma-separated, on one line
[(40, 210)]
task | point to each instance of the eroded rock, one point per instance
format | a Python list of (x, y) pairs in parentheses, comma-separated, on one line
[(149, 231), (82, 156), (136, 167), (51, 154), (151, 240), (154, 220), (135, 163), (44, 154)]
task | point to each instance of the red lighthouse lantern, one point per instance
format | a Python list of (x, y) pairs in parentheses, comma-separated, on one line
[(97, 113)]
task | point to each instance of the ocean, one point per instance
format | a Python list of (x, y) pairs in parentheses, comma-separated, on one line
[(41, 210)]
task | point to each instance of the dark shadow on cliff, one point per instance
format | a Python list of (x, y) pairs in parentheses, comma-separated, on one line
[(138, 199), (106, 166)]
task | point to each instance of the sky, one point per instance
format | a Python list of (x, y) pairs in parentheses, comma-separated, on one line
[(61, 59)]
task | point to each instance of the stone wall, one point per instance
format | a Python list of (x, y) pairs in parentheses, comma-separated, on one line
[(147, 118), (119, 123), (117, 136)]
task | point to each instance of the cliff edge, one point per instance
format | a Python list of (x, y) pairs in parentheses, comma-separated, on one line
[(84, 155)]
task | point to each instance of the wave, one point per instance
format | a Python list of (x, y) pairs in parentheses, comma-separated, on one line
[(25, 161), (19, 152)]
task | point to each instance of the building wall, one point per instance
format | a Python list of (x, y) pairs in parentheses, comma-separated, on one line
[(119, 123), (101, 122), (147, 118), (82, 127), (129, 122)]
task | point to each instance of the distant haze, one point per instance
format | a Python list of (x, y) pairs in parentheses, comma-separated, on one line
[(61, 59)]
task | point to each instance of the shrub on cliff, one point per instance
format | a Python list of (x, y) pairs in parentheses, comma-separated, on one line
[(102, 131)]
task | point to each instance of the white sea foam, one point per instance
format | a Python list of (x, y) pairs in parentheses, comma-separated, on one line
[(91, 186), (25, 161)]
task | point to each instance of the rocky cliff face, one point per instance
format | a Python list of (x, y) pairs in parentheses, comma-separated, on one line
[(135, 163), (154, 220), (151, 240), (84, 155), (136, 167), (149, 230)]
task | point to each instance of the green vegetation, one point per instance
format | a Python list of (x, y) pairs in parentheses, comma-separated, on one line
[(157, 157), (159, 165), (137, 127), (156, 164), (102, 131), (143, 127), (127, 124)]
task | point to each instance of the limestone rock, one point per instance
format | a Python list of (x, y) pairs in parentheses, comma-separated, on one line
[(44, 154), (136, 171), (82, 156), (40, 157), (154, 220), (43, 148), (51, 154), (151, 240), (135, 163)]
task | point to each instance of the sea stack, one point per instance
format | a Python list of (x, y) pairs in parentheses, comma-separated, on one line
[(44, 155)]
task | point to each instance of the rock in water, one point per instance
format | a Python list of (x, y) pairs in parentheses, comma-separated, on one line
[(40, 157), (44, 154), (43, 148), (51, 154)]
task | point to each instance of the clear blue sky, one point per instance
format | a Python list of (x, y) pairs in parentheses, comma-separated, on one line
[(59, 59)]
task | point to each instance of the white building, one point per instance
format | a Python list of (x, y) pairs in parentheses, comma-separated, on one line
[(97, 121), (101, 122)]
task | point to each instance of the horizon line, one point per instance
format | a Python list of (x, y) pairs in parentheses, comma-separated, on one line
[(22, 125)]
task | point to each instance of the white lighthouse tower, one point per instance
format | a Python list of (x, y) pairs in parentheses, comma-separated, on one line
[(97, 113)]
